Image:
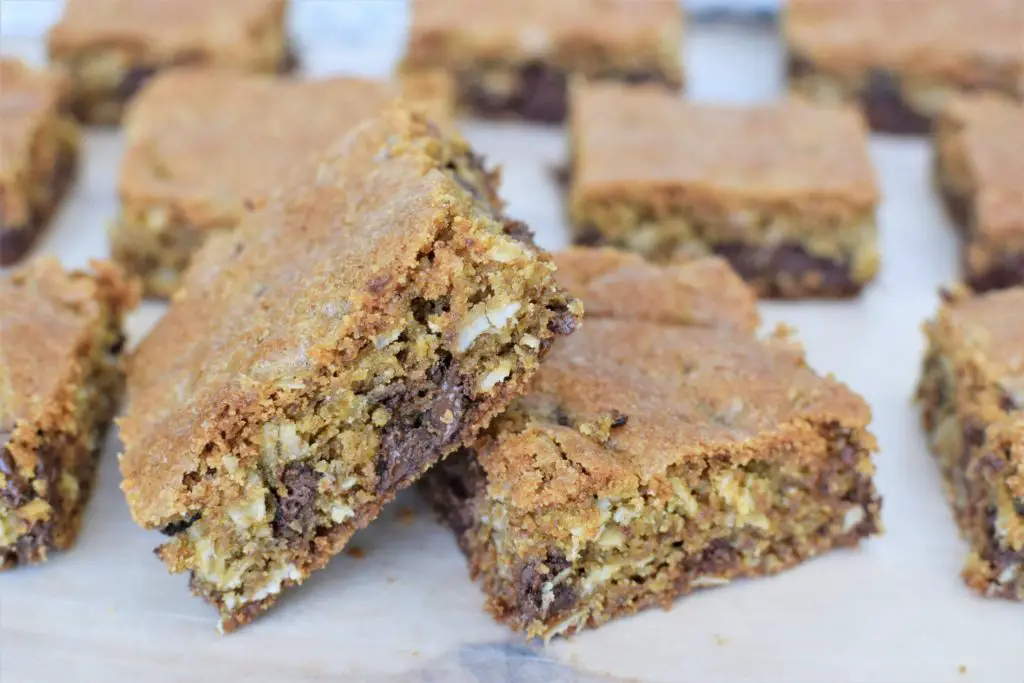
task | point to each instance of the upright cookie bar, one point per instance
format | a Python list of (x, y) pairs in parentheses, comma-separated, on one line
[(785, 192), (979, 170), (648, 460), (202, 144), (972, 400), (60, 381), (517, 59), (903, 60), (370, 319), (38, 152), (112, 47)]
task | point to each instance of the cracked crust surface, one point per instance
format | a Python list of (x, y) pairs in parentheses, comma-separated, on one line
[(649, 460), (972, 398), (60, 380), (979, 170), (369, 319), (204, 144)]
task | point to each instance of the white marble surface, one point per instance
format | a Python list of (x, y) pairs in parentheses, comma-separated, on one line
[(893, 612)]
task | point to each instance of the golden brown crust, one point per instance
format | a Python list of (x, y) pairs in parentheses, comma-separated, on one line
[(30, 96), (164, 30), (947, 41), (618, 284), (640, 139)]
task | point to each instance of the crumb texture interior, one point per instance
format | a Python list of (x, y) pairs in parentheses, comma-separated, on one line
[(635, 471), (377, 314), (972, 397)]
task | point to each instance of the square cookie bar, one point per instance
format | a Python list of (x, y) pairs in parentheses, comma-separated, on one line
[(111, 48), (649, 460), (903, 59), (979, 170), (515, 60), (38, 154), (60, 381), (370, 319), (785, 192), (203, 144), (972, 400)]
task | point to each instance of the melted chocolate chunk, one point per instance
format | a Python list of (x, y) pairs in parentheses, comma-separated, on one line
[(424, 422), (14, 493), (530, 588), (452, 488), (175, 528), (764, 265), (295, 516)]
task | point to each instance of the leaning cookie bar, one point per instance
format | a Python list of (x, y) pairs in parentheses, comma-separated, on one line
[(203, 144), (38, 152), (972, 399), (111, 48), (60, 381), (648, 460), (785, 192), (979, 171), (516, 60), (371, 318), (903, 60)]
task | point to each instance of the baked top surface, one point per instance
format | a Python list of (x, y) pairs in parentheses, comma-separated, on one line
[(624, 285), (686, 393), (213, 138), (991, 325), (991, 133), (303, 281), (27, 97), (46, 315), (897, 32), (538, 20), (160, 22), (638, 137)]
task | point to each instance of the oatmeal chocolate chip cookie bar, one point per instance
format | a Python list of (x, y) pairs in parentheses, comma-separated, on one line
[(372, 317), (516, 59), (903, 60), (979, 170), (38, 153), (619, 284), (111, 48), (202, 144), (972, 400), (785, 192), (60, 380), (649, 460)]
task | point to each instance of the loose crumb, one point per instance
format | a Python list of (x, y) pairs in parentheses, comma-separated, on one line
[(720, 640), (962, 669), (405, 516), (356, 552)]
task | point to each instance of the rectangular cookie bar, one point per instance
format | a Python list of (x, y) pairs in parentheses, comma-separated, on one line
[(649, 460), (202, 144), (515, 60), (902, 60), (39, 147), (60, 381), (979, 170), (111, 48), (373, 316), (785, 192), (972, 400)]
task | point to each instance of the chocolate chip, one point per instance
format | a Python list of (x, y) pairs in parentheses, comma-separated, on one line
[(765, 264), (29, 545), (589, 236), (132, 81), (530, 588), (563, 322), (718, 556), (424, 421), (619, 419), (886, 108), (519, 231), (175, 528), (561, 417), (14, 491), (15, 241), (295, 516), (118, 345), (1006, 271), (452, 487), (542, 94)]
